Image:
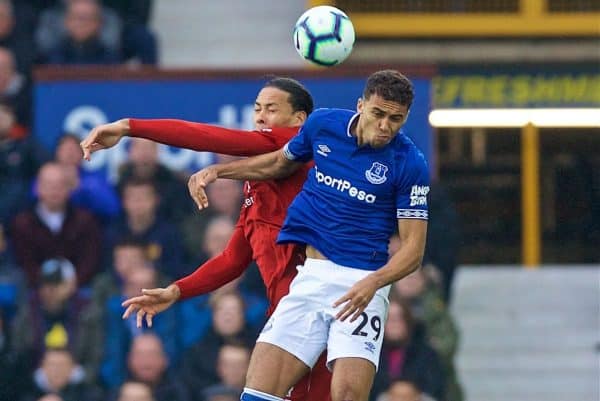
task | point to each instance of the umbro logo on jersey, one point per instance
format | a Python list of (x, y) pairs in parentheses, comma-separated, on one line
[(323, 150)]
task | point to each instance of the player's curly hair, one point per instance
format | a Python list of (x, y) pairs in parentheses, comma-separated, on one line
[(300, 97), (390, 85)]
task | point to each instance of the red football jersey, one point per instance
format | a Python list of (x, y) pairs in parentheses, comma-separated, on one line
[(263, 210)]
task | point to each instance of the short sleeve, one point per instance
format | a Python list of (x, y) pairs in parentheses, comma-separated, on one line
[(300, 147), (411, 196)]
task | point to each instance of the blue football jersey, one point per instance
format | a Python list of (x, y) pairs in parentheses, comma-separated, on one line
[(349, 205)]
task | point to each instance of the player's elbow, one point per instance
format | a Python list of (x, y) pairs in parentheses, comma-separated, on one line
[(415, 266), (284, 167)]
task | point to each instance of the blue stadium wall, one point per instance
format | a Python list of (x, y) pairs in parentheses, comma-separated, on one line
[(76, 105)]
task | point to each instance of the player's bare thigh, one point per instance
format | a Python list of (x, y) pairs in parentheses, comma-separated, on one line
[(352, 379), (273, 370)]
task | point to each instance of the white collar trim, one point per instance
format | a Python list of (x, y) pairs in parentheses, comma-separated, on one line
[(350, 124)]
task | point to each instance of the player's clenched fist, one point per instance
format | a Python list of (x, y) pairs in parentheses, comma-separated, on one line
[(197, 184)]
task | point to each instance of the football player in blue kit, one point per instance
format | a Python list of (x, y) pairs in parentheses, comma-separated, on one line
[(369, 179)]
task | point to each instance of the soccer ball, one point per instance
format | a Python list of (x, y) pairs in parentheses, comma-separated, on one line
[(324, 35)]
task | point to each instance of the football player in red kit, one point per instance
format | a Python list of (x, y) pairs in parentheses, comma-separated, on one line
[(281, 107)]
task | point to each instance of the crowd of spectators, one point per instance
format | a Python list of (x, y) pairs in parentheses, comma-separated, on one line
[(67, 33), (66, 265), (74, 245)]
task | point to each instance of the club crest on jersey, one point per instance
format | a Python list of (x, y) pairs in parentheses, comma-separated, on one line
[(376, 174)]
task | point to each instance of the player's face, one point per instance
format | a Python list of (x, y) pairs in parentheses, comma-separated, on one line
[(379, 120), (273, 109)]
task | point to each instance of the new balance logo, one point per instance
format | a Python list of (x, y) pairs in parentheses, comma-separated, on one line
[(323, 150)]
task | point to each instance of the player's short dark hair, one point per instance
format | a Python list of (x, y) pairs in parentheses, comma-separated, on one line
[(390, 85), (300, 97)]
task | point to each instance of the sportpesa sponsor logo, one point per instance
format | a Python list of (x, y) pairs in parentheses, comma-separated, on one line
[(344, 186)]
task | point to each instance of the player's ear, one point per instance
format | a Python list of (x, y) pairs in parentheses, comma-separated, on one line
[(360, 105), (300, 117)]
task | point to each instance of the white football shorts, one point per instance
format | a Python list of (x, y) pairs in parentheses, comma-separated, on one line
[(304, 322)]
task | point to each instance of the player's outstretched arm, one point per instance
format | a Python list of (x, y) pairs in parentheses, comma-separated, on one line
[(263, 167), (218, 271), (210, 138), (187, 135)]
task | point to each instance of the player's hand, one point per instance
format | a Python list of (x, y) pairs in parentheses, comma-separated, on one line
[(103, 137), (356, 299), (197, 186), (150, 303)]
